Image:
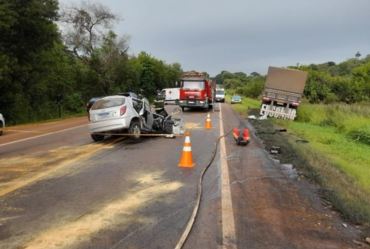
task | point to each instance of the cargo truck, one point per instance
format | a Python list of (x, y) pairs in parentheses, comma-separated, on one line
[(282, 93), (196, 91)]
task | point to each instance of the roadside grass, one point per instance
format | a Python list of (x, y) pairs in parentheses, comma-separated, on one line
[(247, 104), (65, 116), (337, 155)]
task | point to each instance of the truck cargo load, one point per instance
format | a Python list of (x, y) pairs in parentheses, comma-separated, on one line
[(283, 91)]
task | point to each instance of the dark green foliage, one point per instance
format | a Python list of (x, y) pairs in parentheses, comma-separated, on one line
[(39, 74), (241, 83), (347, 82)]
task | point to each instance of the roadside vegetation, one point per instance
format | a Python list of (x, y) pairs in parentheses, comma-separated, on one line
[(53, 58), (338, 151)]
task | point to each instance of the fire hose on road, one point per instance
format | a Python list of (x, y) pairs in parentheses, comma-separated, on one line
[(186, 233)]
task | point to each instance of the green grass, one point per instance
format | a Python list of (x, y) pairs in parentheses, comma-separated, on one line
[(247, 103), (339, 151)]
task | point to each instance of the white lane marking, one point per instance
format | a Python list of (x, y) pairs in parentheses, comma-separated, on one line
[(36, 132), (227, 214), (43, 135)]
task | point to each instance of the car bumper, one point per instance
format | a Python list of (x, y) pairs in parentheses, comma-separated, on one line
[(193, 103), (220, 99), (108, 125)]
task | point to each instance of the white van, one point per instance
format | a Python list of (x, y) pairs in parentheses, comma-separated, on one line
[(172, 95), (220, 95)]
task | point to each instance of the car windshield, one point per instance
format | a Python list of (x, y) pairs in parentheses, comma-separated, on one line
[(107, 103), (193, 85), (236, 98), (220, 92)]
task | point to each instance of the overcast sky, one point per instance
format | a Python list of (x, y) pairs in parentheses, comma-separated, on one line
[(244, 35)]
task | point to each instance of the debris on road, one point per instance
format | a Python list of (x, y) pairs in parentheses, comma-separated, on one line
[(241, 136), (367, 240), (275, 150)]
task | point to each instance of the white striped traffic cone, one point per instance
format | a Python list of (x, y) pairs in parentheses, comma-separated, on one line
[(208, 122), (186, 160)]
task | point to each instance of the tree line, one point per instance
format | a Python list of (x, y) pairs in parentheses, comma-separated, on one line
[(52, 58), (347, 82)]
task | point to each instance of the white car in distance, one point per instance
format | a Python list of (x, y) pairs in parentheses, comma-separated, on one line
[(2, 124)]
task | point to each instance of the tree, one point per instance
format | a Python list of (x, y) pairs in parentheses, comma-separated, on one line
[(27, 32), (86, 27)]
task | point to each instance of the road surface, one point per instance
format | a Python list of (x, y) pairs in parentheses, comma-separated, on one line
[(58, 189)]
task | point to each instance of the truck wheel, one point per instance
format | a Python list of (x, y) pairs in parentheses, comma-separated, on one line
[(135, 129), (1, 128), (182, 108), (97, 137)]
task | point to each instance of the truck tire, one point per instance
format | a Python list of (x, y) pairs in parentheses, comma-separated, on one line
[(183, 108), (97, 137), (135, 129), (1, 128)]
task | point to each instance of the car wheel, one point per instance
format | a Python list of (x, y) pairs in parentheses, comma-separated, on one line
[(1, 128), (135, 129), (97, 137)]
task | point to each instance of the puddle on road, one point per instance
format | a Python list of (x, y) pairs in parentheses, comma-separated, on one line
[(69, 234), (20, 171)]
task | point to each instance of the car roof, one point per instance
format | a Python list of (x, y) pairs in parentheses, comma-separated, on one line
[(128, 94)]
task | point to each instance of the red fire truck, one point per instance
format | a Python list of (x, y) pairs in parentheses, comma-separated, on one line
[(196, 91)]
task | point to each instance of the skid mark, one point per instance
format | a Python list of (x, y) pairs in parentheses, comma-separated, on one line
[(18, 172), (120, 212)]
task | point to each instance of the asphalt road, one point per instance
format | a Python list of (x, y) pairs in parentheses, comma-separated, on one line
[(58, 189)]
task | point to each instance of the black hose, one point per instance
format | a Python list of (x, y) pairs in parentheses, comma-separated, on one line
[(193, 217)]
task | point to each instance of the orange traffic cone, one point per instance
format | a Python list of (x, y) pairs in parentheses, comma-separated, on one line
[(186, 160), (208, 122)]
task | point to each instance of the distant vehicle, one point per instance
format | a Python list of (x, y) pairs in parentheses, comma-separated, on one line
[(283, 91), (196, 91), (172, 95), (220, 95), (2, 124), (124, 114), (236, 99)]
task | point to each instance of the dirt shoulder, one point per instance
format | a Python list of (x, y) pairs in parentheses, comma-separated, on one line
[(18, 132), (311, 168)]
